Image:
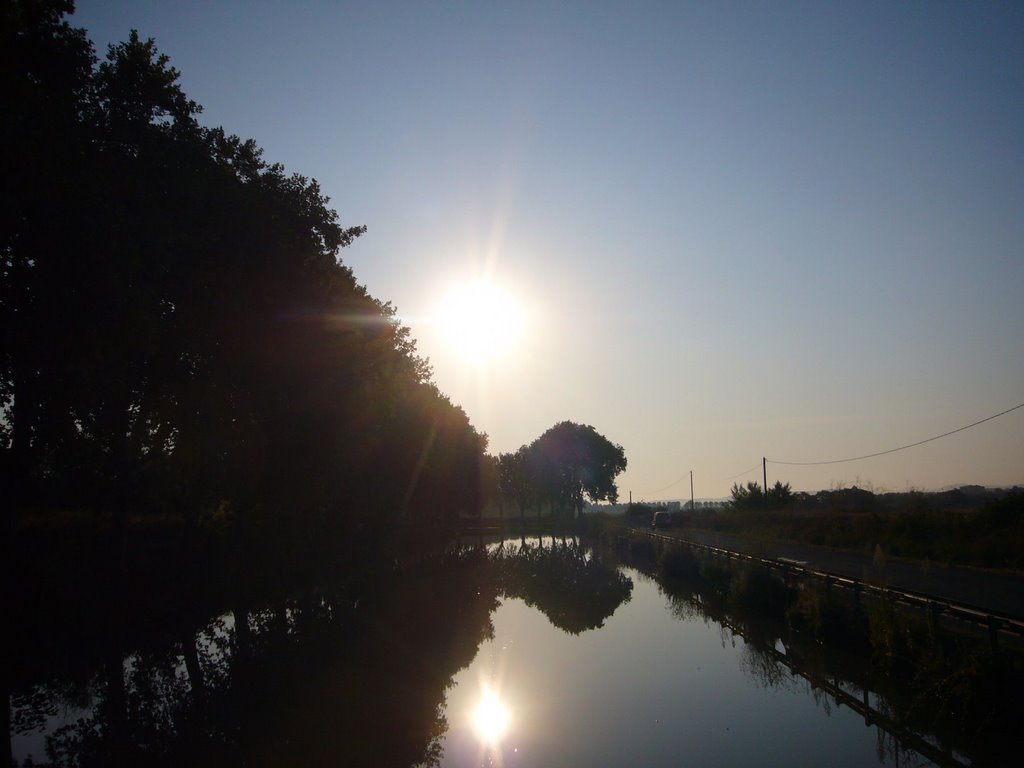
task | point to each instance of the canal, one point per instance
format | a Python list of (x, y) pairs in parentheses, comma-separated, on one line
[(658, 684), (527, 652)]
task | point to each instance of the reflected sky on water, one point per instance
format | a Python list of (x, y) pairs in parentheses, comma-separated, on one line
[(525, 655), (647, 688)]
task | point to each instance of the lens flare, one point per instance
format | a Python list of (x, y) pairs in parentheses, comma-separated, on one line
[(490, 718)]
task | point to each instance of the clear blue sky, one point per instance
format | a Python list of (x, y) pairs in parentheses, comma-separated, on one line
[(737, 230)]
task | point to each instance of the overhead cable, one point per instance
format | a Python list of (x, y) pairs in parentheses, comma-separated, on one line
[(674, 482), (893, 450), (741, 474)]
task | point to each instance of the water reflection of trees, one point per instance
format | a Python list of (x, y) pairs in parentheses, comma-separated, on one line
[(338, 673), (316, 678), (573, 588), (936, 695)]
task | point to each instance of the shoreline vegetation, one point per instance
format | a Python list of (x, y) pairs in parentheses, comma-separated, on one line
[(984, 529), (981, 528)]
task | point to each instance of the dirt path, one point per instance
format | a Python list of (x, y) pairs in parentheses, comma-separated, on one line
[(995, 591)]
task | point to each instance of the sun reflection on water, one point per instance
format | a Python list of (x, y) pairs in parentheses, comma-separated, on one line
[(491, 718)]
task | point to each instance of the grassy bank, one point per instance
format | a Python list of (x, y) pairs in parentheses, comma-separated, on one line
[(915, 525)]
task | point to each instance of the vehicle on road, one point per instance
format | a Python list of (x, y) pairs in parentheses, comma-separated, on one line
[(664, 518)]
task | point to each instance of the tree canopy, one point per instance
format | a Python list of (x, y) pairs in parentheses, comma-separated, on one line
[(751, 496), (179, 331), (567, 466)]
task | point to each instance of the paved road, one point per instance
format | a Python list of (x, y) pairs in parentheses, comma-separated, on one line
[(995, 591)]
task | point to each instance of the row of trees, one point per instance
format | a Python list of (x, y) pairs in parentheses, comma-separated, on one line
[(567, 466), (178, 330)]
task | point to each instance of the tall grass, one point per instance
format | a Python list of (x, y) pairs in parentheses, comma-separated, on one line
[(920, 527)]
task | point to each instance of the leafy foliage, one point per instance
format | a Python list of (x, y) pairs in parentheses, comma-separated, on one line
[(576, 463), (180, 333), (563, 468), (751, 496)]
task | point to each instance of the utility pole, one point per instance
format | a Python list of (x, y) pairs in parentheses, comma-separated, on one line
[(764, 469), (692, 505)]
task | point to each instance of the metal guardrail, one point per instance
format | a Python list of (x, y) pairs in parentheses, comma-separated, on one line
[(994, 621)]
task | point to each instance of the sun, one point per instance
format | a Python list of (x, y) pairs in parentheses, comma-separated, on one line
[(490, 718), (480, 320)]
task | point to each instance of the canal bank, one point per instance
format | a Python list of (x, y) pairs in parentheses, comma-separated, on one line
[(1000, 592)]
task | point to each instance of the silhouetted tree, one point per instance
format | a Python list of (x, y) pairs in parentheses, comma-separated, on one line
[(490, 491), (752, 496), (45, 83), (515, 479), (179, 332), (749, 496), (574, 463), (779, 495)]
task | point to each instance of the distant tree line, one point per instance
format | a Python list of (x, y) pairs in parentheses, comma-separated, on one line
[(855, 499), (179, 332)]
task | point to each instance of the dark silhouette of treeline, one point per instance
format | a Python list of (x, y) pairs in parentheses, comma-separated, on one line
[(946, 694), (181, 341), (855, 499), (326, 672)]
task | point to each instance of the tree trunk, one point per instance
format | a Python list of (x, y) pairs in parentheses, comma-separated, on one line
[(5, 691), (117, 477), (116, 703), (243, 635), (194, 668), (17, 484)]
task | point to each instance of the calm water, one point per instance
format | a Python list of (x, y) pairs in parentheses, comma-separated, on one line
[(529, 655), (648, 688)]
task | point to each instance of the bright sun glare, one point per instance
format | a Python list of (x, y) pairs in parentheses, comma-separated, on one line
[(481, 321), (490, 718)]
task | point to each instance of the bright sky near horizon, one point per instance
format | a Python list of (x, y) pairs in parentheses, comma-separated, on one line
[(731, 230)]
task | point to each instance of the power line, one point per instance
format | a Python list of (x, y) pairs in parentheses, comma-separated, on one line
[(892, 450), (741, 474), (674, 482)]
